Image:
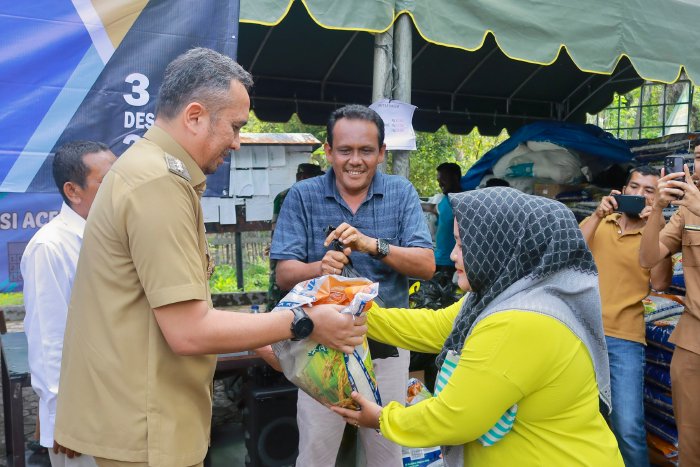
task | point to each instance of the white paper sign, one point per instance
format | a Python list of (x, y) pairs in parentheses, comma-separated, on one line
[(398, 126), (242, 182), (243, 158), (227, 211), (261, 182), (210, 209), (277, 156), (280, 176), (258, 208), (260, 157)]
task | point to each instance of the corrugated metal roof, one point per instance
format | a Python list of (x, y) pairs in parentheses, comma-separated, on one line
[(280, 138)]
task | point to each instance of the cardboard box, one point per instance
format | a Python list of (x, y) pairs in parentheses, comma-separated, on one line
[(551, 190)]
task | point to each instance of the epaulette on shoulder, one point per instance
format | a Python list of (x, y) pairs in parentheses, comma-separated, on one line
[(176, 166)]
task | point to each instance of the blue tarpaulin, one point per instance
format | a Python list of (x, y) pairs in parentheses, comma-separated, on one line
[(587, 139)]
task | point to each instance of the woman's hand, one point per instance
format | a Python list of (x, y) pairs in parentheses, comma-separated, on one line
[(367, 416), (269, 357)]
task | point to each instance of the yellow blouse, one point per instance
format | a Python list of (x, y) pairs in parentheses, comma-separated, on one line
[(511, 357)]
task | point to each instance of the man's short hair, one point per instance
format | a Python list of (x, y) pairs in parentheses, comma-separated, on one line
[(450, 168), (69, 166), (199, 75), (355, 112), (644, 170), (309, 170)]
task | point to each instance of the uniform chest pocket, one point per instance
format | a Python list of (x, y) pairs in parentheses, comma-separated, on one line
[(691, 248)]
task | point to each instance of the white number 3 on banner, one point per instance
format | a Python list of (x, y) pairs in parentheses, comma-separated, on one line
[(139, 95)]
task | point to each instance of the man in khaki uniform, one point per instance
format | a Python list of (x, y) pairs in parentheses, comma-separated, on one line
[(682, 233), (142, 336)]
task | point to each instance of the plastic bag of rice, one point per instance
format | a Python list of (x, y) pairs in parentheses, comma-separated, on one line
[(419, 457), (328, 375)]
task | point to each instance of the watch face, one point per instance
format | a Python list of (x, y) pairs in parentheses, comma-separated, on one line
[(303, 328), (382, 248)]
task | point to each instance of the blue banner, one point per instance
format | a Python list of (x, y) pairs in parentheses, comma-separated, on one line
[(74, 69), (21, 215)]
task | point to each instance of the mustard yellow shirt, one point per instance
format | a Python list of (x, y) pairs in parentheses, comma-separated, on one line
[(623, 282), (510, 357)]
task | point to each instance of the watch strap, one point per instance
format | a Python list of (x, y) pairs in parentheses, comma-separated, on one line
[(299, 314)]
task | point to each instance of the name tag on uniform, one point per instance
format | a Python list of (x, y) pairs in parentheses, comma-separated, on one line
[(694, 228)]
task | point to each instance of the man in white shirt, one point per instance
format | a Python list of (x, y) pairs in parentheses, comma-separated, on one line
[(48, 268)]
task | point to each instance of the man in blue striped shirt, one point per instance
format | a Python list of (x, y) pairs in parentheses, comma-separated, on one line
[(378, 220)]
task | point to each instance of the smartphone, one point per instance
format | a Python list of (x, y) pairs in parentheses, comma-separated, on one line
[(674, 164), (630, 204)]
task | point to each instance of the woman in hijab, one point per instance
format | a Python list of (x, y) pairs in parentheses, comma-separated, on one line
[(523, 358)]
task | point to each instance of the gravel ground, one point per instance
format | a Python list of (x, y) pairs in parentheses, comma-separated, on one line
[(225, 407)]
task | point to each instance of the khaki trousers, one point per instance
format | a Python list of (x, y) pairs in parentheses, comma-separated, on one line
[(101, 462), (685, 383)]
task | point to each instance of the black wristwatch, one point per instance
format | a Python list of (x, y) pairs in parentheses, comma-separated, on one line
[(302, 326), (382, 249)]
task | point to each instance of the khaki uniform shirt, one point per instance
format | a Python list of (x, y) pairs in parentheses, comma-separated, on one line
[(682, 233), (124, 394), (623, 282)]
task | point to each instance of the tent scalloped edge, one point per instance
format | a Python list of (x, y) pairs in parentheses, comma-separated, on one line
[(508, 54)]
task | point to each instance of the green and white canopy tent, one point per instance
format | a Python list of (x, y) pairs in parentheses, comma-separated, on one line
[(473, 63)]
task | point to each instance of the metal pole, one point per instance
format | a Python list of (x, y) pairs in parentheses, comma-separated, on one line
[(239, 260), (403, 54), (382, 80)]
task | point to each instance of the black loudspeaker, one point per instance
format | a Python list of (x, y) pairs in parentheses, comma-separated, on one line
[(270, 422)]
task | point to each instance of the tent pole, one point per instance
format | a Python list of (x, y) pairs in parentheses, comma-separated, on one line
[(403, 55), (382, 81)]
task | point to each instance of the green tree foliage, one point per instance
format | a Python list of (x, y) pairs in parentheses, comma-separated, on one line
[(647, 111), (432, 149), (294, 125), (256, 276)]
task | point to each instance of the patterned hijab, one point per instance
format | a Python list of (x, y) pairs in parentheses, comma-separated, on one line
[(527, 253)]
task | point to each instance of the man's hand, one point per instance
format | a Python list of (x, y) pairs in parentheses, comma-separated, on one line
[(340, 331), (607, 205), (690, 192), (645, 213), (333, 261), (62, 449), (351, 238), (367, 416), (669, 190)]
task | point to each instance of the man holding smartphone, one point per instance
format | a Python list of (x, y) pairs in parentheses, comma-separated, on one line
[(614, 233), (682, 233)]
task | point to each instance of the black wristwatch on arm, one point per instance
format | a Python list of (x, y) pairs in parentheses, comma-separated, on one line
[(302, 326)]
